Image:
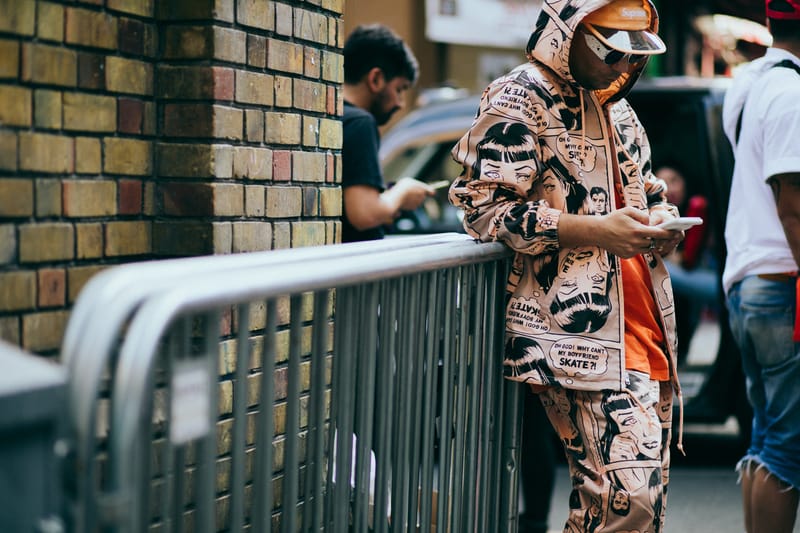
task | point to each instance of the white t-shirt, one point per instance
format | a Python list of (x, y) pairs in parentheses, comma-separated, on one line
[(769, 144)]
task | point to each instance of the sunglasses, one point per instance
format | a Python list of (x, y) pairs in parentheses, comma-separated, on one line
[(609, 56)]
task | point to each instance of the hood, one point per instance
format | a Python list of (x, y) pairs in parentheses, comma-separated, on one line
[(551, 40)]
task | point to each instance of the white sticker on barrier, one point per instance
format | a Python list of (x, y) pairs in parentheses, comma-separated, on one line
[(190, 404)]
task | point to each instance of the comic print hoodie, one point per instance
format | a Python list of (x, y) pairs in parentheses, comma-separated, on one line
[(540, 146)]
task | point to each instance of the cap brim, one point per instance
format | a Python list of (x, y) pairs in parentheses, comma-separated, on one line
[(630, 42)]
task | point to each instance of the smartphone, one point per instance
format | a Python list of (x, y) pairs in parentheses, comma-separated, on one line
[(439, 184), (680, 223)]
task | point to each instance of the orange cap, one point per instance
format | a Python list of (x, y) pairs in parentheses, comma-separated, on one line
[(625, 26), (630, 15)]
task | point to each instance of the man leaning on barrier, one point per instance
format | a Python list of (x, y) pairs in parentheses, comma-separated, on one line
[(588, 293)]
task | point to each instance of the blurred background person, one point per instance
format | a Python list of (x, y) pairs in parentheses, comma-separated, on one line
[(379, 68)]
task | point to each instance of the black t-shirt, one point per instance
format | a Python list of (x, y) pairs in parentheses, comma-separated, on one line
[(360, 164)]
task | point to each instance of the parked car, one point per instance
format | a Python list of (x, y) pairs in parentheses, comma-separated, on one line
[(682, 118)]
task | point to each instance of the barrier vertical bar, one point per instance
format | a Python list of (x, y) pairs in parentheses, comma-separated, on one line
[(239, 418), (263, 492), (291, 464)]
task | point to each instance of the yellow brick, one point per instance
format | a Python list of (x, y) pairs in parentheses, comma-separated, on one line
[(90, 198), (332, 67), (128, 76), (330, 133), (89, 238), (90, 112), (254, 88), (77, 278), (284, 202), (45, 153), (49, 64), (50, 22), (127, 156), (17, 290), (47, 109), (283, 91), (48, 197), (8, 244), (230, 45), (9, 329), (46, 242), (17, 16), (8, 150), (15, 106), (254, 201), (9, 59), (142, 8), (310, 131), (188, 160), (284, 56), (87, 155), (282, 128), (256, 13), (128, 238), (43, 331), (91, 28), (16, 197), (309, 166), (330, 201), (228, 123), (253, 163), (311, 26), (308, 234), (228, 199), (251, 236)]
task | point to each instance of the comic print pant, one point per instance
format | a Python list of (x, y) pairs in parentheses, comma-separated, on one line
[(617, 448)]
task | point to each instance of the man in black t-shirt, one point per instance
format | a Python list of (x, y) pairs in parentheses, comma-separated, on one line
[(378, 69)]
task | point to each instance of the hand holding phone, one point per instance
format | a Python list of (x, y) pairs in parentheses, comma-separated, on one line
[(680, 223)]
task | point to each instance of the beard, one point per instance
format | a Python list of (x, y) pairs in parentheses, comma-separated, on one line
[(380, 113)]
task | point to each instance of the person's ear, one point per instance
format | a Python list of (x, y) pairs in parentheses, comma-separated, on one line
[(376, 80)]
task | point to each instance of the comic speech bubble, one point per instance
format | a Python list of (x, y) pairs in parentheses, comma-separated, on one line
[(578, 356), (524, 315), (575, 150)]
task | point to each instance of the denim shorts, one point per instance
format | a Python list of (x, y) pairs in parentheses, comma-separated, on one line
[(762, 321)]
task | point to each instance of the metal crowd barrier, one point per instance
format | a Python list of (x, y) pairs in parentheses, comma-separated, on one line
[(334, 388)]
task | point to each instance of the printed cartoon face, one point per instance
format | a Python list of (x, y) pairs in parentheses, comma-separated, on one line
[(508, 153), (581, 303), (552, 189), (623, 414), (514, 172), (621, 502), (599, 199), (583, 273)]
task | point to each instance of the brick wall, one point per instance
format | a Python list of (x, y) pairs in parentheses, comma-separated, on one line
[(139, 129)]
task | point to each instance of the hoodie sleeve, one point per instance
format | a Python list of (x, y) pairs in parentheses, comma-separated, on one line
[(502, 158)]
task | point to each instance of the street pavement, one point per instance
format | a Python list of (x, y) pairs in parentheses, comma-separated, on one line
[(703, 495)]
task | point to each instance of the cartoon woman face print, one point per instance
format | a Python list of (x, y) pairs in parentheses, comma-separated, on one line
[(581, 303), (508, 153), (553, 190)]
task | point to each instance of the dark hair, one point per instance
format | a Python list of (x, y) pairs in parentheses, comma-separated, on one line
[(375, 45), (784, 30)]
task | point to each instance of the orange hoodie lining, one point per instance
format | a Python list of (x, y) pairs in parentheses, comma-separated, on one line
[(644, 337)]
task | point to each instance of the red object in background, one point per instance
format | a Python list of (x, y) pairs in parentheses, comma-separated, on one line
[(696, 235)]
